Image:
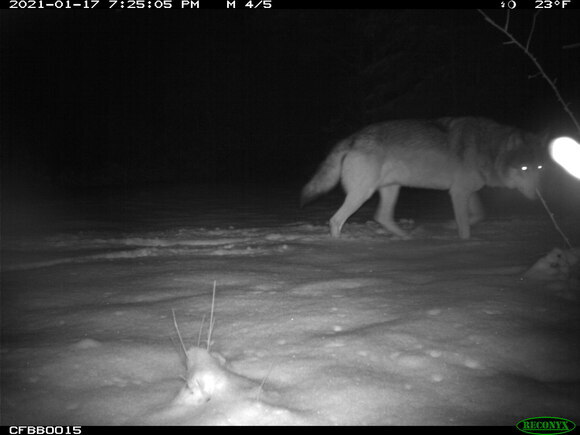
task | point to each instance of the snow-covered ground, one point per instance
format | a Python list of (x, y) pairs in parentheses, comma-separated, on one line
[(367, 329)]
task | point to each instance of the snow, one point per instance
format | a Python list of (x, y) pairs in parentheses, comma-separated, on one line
[(365, 330)]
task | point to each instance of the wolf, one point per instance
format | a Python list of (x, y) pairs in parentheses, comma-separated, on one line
[(460, 155)]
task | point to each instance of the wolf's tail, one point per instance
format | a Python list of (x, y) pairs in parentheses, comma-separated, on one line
[(328, 173)]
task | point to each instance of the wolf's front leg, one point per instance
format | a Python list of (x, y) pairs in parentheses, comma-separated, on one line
[(460, 200), (475, 207)]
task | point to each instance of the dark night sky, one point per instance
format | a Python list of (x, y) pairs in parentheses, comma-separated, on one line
[(95, 98)]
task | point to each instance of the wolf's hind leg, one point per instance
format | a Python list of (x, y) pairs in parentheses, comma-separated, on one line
[(354, 199), (359, 182), (385, 211)]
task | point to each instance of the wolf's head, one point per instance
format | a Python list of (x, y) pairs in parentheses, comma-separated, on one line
[(525, 178), (523, 162)]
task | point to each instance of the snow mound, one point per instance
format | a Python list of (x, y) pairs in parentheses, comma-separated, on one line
[(560, 269), (215, 395)]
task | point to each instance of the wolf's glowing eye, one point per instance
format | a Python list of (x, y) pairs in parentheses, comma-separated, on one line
[(540, 166), (524, 168)]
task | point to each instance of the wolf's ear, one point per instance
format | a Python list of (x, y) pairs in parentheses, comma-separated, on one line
[(515, 141)]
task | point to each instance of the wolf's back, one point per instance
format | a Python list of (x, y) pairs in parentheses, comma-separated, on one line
[(327, 175)]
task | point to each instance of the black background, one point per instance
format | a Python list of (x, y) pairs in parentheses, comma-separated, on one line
[(123, 98)]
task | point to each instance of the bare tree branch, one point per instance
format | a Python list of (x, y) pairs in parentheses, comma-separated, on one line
[(570, 46), (513, 40), (552, 83), (531, 30)]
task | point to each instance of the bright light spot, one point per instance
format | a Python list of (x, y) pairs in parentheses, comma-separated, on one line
[(566, 152), (524, 168)]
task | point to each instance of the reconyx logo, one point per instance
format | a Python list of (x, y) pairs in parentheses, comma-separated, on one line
[(545, 425)]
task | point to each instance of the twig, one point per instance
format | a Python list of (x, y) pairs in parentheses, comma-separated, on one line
[(570, 46), (553, 219), (532, 30)]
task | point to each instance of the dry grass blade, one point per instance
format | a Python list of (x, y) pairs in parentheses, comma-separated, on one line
[(261, 387), (200, 330), (211, 319), (180, 339)]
